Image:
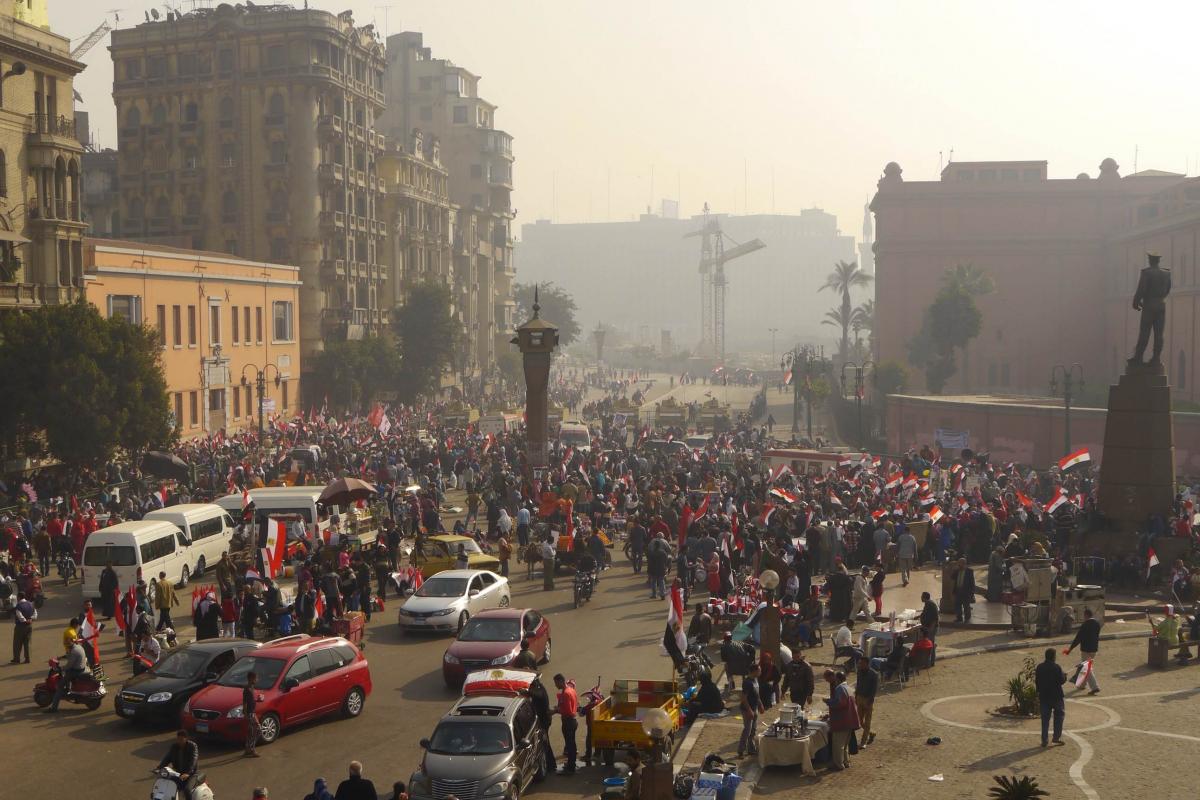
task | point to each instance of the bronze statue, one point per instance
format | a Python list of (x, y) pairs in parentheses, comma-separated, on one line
[(1151, 299)]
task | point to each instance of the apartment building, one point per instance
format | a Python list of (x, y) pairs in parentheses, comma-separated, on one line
[(440, 99), (419, 215), (251, 130), (41, 221)]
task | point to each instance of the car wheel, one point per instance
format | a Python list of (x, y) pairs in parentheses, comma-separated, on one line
[(505, 601), (353, 705), (539, 772), (546, 653), (42, 698), (184, 577), (462, 620), (200, 566), (268, 729)]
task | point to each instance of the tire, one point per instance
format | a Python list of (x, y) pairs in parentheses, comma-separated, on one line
[(505, 601), (546, 655), (92, 705), (268, 729), (578, 595), (184, 577), (539, 774), (42, 698), (352, 706), (201, 565), (462, 620)]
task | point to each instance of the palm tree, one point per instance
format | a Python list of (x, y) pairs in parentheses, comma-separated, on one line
[(845, 276), (864, 317), (975, 282), (1014, 788)]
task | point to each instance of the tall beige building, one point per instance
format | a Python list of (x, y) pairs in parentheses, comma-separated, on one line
[(252, 131), (442, 100), (41, 220)]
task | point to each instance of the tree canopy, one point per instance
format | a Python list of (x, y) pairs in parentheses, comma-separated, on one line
[(557, 306), (92, 385), (950, 322), (354, 373), (845, 276), (428, 336)]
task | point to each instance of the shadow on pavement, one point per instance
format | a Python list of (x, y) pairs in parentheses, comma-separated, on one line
[(1002, 761)]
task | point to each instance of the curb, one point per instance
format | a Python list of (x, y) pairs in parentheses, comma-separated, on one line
[(1026, 644)]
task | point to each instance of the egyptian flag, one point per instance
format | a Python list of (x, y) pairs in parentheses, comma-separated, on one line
[(272, 554), (783, 495), (879, 513), (779, 472), (935, 514), (736, 527), (674, 640), (319, 605), (1074, 459), (685, 519), (487, 444), (570, 510), (1024, 499), (1056, 501), (90, 633), (894, 480), (1151, 561), (910, 483), (834, 499), (126, 608), (963, 505), (765, 517), (703, 509), (787, 378)]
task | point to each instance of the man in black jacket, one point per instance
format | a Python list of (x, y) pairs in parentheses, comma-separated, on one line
[(1087, 639), (964, 592), (356, 787), (184, 758), (1049, 679)]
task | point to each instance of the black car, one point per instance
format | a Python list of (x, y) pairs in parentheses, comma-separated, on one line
[(157, 694)]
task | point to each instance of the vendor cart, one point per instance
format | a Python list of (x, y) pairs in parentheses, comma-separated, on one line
[(616, 721), (350, 627)]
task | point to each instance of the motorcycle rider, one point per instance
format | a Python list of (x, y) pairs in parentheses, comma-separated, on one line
[(75, 666), (184, 758)]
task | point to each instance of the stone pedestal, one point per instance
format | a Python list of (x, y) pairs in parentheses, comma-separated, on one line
[(1137, 469)]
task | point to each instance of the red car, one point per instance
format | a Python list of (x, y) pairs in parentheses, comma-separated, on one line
[(299, 678), (493, 638)]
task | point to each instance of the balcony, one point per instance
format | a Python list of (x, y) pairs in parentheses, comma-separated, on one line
[(189, 129), (32, 295), (361, 177), (229, 217), (158, 176), (332, 219), (331, 172), (328, 124), (47, 130), (160, 225), (275, 168), (55, 210), (277, 217), (276, 120), (333, 268), (191, 221), (190, 173)]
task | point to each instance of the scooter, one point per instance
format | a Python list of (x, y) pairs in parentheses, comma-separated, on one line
[(86, 690), (66, 568), (165, 787)]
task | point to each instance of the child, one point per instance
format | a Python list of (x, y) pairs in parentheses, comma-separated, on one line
[(229, 615), (877, 590)]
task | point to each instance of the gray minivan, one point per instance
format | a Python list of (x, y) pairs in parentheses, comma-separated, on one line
[(484, 747)]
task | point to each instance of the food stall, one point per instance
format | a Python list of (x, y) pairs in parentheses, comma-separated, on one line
[(617, 720)]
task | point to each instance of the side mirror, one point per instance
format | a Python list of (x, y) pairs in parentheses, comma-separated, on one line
[(423, 744), (290, 683), (209, 677), (474, 593), (527, 742)]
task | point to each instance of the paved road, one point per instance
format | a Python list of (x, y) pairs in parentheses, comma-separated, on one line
[(616, 636)]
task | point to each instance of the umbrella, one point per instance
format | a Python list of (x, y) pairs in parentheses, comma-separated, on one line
[(165, 465), (345, 491)]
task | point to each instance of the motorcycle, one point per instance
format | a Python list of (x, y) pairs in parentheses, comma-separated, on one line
[(67, 569), (585, 584), (165, 787), (86, 690)]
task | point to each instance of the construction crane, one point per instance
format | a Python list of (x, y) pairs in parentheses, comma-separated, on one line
[(713, 257), (90, 41)]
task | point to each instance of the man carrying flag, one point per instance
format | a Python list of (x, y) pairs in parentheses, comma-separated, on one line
[(674, 639)]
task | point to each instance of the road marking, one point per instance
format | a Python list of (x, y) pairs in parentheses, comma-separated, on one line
[(1161, 733), (1076, 772)]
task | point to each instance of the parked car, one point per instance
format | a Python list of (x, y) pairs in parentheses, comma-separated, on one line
[(299, 678), (493, 639), (157, 694), (439, 553), (485, 746), (448, 599)]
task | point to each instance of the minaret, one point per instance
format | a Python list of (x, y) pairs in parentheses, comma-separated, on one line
[(866, 247)]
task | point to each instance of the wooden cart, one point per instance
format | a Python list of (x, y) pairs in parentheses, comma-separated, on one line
[(616, 722)]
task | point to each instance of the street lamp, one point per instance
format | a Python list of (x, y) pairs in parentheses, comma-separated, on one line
[(860, 373), (536, 340), (260, 382), (806, 357), (1070, 383)]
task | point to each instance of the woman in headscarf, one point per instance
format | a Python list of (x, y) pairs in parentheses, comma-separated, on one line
[(320, 791)]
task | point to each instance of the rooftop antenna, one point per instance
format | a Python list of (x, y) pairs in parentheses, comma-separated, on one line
[(1135, 158)]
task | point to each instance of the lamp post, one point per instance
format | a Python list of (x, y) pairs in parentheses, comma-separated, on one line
[(260, 382), (536, 340), (599, 335), (806, 357), (860, 373), (1070, 383), (769, 619)]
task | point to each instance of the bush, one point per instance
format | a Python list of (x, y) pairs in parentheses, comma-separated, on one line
[(1022, 690), (1014, 788)]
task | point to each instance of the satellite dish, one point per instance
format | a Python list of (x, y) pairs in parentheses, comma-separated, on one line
[(154, 13)]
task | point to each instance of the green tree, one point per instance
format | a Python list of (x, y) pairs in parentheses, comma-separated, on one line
[(355, 373), (557, 306), (890, 377), (976, 283), (864, 319), (428, 336), (845, 276), (93, 385), (950, 322)]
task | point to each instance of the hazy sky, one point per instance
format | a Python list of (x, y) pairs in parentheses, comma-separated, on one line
[(785, 104)]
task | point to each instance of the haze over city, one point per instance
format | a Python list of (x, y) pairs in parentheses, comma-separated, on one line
[(781, 105)]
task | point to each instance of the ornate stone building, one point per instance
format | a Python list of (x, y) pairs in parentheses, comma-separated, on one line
[(252, 131)]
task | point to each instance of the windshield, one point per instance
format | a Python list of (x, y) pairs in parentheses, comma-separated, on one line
[(576, 437), (100, 554), (468, 545), (471, 738), (268, 670), (180, 664), (491, 630), (443, 587)]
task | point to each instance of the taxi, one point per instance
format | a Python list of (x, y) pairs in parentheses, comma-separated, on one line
[(439, 553)]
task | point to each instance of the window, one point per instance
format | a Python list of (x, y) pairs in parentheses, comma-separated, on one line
[(225, 61), (191, 326), (300, 670), (128, 306), (178, 408), (191, 113), (159, 114), (279, 249), (207, 528), (225, 109), (249, 402), (284, 400), (3, 174), (276, 56), (185, 64), (235, 319), (426, 113), (156, 67), (214, 324), (275, 108), (194, 407), (246, 327), (228, 155), (425, 84), (162, 326), (216, 399), (133, 117), (281, 313), (258, 324), (237, 403), (324, 661), (278, 152), (176, 326), (133, 69), (161, 547), (460, 115)]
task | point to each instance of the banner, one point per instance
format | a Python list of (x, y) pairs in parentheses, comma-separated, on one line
[(949, 439)]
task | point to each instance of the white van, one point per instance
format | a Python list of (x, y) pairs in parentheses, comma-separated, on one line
[(577, 435), (206, 526), (496, 424), (147, 547)]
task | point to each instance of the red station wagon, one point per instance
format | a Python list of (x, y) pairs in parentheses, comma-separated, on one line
[(299, 678), (492, 638)]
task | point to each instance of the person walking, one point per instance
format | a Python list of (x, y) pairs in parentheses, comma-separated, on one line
[(1049, 679), (164, 598), (1087, 639), (866, 687), (23, 616), (751, 707), (798, 680), (861, 594), (843, 718), (567, 708), (906, 553), (249, 706), (964, 592), (658, 557)]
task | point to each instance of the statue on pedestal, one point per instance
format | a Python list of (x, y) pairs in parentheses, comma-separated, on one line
[(1154, 285)]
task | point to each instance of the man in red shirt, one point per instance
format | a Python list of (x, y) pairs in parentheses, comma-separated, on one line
[(659, 527), (568, 708)]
